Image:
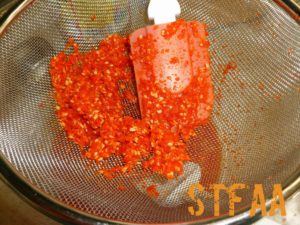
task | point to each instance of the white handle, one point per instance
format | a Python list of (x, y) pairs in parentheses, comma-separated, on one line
[(163, 11)]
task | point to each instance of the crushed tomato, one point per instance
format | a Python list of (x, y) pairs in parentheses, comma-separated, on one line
[(152, 191), (89, 88)]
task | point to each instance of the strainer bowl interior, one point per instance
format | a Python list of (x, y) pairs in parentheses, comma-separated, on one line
[(255, 125)]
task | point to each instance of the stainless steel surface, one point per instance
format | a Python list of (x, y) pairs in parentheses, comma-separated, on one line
[(6, 5), (15, 211), (262, 123)]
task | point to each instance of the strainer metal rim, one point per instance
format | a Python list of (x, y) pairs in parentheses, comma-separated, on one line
[(61, 211)]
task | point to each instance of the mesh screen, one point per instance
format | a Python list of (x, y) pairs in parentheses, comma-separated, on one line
[(256, 121)]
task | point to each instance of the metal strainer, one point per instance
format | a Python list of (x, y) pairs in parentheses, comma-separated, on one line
[(256, 118)]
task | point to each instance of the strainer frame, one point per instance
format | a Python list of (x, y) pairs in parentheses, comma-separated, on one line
[(61, 212)]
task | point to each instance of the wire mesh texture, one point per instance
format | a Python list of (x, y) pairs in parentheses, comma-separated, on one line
[(256, 116)]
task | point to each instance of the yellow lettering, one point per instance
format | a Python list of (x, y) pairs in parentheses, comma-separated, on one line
[(277, 195), (200, 205), (258, 201), (233, 198)]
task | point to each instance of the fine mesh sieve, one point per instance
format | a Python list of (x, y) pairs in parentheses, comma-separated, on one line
[(255, 125)]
